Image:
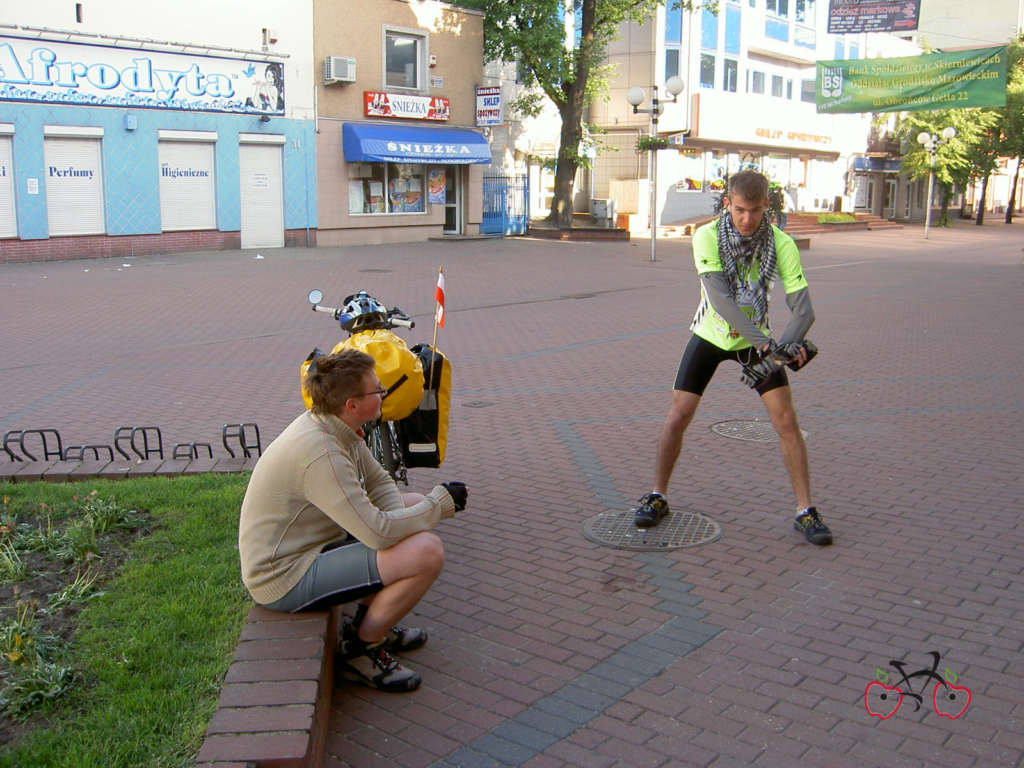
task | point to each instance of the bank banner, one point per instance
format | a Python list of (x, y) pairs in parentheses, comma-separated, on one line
[(974, 78), (105, 76), (850, 16)]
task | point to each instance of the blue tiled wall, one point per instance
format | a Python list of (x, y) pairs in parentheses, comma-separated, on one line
[(130, 167)]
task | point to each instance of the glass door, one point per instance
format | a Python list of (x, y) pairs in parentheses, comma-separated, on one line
[(453, 200)]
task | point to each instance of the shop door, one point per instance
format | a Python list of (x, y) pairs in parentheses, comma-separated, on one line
[(8, 221), (259, 170), (453, 200), (187, 198), (74, 186), (889, 204)]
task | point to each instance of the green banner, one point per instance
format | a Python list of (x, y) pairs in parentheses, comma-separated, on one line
[(975, 78)]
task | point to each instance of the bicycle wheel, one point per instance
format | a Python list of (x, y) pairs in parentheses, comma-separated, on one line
[(382, 440)]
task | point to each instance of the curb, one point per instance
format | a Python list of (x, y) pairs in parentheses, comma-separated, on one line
[(274, 705)]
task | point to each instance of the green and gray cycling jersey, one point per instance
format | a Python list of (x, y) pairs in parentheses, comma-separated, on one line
[(727, 322)]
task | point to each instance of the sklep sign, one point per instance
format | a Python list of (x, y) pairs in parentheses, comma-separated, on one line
[(98, 75)]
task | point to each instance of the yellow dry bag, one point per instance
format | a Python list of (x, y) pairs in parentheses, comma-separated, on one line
[(399, 370)]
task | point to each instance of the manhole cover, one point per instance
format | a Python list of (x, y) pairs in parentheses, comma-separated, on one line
[(756, 431), (477, 404), (678, 530), (374, 269)]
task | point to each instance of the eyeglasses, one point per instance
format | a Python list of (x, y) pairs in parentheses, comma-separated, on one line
[(379, 391)]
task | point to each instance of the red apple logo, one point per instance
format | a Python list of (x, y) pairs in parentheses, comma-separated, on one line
[(950, 700), (882, 700)]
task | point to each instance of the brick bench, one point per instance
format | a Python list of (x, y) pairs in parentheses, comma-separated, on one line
[(275, 702)]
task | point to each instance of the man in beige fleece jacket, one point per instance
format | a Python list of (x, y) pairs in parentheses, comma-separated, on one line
[(322, 524)]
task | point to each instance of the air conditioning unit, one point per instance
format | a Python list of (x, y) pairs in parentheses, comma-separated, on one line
[(339, 69)]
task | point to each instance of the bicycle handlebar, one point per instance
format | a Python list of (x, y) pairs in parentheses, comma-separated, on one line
[(391, 321)]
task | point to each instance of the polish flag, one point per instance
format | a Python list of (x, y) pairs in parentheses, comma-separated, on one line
[(439, 298)]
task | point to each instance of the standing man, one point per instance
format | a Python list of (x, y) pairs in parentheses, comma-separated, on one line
[(323, 524), (738, 257)]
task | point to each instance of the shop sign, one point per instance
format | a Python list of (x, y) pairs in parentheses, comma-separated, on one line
[(377, 104), (97, 75), (778, 134), (488, 105), (849, 16), (973, 78)]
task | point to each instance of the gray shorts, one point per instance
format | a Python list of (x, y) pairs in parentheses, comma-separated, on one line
[(342, 572)]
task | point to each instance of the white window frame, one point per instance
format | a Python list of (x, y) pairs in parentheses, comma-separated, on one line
[(422, 57)]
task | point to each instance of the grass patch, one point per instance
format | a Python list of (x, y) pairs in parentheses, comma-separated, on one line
[(836, 218), (136, 679)]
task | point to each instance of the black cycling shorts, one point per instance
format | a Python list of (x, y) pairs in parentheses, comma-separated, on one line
[(701, 359)]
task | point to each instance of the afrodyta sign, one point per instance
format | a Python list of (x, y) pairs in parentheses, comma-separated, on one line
[(74, 73)]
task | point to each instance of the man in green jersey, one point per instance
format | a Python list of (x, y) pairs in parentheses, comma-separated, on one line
[(738, 258)]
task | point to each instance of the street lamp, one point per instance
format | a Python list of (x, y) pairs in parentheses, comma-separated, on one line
[(932, 142), (635, 96)]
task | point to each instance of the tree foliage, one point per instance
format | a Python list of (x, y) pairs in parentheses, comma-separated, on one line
[(569, 70)]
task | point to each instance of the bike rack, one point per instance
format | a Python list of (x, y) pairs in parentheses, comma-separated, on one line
[(43, 434), (239, 432), (190, 450), (131, 433), (77, 452), (11, 436)]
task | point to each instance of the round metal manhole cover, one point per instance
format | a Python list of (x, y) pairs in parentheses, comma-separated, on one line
[(756, 431), (375, 269), (678, 530)]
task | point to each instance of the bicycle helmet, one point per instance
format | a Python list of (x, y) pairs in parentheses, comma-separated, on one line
[(364, 311)]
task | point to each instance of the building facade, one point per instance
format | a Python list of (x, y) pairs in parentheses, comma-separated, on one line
[(749, 101), (128, 129), (398, 156)]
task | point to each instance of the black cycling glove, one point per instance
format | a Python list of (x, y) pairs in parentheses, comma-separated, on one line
[(458, 493)]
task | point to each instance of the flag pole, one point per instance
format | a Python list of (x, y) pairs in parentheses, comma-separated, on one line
[(433, 346)]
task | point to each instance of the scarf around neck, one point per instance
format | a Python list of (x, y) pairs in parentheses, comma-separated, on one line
[(733, 248)]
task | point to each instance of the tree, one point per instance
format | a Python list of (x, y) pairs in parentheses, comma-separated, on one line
[(953, 159), (568, 69), (1013, 123)]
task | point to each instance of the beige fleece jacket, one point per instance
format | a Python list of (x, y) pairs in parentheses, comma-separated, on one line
[(313, 484)]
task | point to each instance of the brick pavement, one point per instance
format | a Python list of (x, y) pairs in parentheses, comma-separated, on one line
[(547, 650)]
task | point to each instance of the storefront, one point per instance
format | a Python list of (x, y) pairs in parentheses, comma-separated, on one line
[(403, 169), (124, 149)]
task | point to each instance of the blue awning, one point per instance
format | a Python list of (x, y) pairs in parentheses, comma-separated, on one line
[(368, 142)]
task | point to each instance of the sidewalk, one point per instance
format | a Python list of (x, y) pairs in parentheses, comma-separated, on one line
[(546, 649)]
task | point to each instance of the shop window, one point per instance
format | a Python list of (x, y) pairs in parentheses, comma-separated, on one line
[(730, 71), (854, 51), (671, 62), (674, 25), (777, 86), (756, 82), (707, 71), (732, 29), (709, 30), (807, 91), (404, 59), (386, 188)]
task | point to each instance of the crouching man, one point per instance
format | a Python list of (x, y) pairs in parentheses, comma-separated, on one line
[(322, 524)]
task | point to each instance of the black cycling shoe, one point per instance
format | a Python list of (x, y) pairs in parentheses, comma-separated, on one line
[(653, 508), (813, 527)]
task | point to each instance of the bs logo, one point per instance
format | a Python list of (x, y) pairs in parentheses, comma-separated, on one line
[(831, 82)]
